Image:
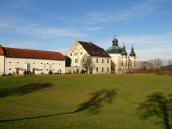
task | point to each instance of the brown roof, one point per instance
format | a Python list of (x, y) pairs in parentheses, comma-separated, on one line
[(94, 50), (1, 50), (31, 54)]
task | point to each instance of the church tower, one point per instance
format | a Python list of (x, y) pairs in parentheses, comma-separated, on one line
[(115, 42), (132, 59), (124, 59)]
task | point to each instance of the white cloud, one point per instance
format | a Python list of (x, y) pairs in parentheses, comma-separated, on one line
[(163, 53), (58, 32), (93, 28), (39, 30), (134, 12), (146, 46), (147, 39)]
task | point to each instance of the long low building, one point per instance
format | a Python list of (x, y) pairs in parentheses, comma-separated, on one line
[(19, 61)]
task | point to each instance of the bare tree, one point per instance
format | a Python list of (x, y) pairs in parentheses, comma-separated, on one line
[(157, 63), (169, 61), (86, 63)]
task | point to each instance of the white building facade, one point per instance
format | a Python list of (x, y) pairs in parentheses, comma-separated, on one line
[(121, 62), (17, 61), (100, 60)]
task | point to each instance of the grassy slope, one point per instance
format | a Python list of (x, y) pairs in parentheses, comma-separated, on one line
[(68, 91)]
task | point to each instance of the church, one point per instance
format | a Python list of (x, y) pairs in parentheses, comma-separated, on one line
[(121, 62), (113, 60)]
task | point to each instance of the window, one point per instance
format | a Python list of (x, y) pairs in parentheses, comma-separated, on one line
[(97, 69), (41, 63), (102, 69), (9, 62), (122, 64), (70, 54), (102, 60), (76, 53), (9, 68), (108, 69), (107, 60), (97, 60), (17, 62), (28, 67), (126, 63), (47, 69), (81, 53), (47, 63), (33, 63), (76, 60)]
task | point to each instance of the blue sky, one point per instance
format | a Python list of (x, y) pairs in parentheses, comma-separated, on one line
[(57, 24)]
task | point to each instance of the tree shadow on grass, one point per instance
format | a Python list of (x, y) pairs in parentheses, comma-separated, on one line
[(5, 92), (93, 105), (97, 100), (158, 105)]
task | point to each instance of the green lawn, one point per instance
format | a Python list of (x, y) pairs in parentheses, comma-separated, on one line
[(78, 101)]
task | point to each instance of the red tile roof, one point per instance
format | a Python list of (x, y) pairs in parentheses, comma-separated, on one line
[(94, 50), (31, 54), (1, 51)]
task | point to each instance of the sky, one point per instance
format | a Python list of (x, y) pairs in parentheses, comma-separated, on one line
[(56, 24)]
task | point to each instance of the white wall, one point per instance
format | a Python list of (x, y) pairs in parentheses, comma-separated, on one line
[(116, 59), (1, 65), (43, 65), (76, 53), (133, 62), (106, 65)]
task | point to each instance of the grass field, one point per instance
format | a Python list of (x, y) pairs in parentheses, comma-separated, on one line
[(78, 101)]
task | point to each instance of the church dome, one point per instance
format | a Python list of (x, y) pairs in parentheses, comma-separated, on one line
[(115, 49)]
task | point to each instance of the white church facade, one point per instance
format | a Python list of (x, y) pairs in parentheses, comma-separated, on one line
[(121, 61), (18, 61)]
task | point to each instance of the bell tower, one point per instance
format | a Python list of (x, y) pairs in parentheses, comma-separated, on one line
[(115, 41), (132, 58)]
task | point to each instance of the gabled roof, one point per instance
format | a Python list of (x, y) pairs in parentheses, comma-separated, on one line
[(30, 54), (94, 50)]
